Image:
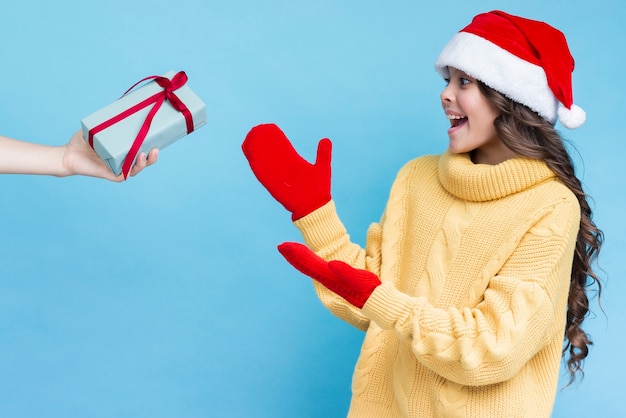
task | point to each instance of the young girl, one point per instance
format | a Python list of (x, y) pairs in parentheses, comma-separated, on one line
[(74, 158), (480, 264)]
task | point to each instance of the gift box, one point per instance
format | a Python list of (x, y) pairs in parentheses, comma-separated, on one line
[(153, 115)]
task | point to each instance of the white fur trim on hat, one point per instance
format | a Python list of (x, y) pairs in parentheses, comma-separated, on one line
[(518, 79), (571, 118)]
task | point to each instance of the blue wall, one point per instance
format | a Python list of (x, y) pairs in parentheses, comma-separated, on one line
[(165, 296)]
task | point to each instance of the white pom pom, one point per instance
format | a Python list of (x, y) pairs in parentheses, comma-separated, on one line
[(571, 118)]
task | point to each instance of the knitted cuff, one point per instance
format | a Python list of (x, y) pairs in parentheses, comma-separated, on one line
[(321, 227), (387, 306)]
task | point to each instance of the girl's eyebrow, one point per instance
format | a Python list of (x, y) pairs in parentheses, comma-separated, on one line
[(463, 74), (457, 72)]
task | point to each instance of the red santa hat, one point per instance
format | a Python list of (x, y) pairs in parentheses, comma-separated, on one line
[(526, 60)]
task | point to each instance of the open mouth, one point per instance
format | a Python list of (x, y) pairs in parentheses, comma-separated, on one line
[(456, 120)]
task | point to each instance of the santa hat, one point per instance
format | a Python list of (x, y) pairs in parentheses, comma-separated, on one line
[(526, 60)]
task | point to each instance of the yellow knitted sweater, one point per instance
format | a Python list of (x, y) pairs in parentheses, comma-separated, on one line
[(475, 263)]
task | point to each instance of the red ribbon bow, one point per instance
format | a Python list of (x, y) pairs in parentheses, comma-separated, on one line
[(169, 86)]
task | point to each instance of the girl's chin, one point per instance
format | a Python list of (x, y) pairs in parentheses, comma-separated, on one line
[(456, 148)]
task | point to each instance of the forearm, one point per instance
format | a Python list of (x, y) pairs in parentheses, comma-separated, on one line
[(20, 157), (324, 233), (485, 345)]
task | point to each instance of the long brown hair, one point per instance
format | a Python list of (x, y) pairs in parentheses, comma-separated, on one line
[(528, 134)]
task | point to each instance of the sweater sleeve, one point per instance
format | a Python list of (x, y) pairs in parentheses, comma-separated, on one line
[(523, 308), (325, 234)]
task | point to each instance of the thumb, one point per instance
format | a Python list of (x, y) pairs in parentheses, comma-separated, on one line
[(324, 153)]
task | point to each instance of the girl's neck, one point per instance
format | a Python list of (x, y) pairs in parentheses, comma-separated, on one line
[(492, 156)]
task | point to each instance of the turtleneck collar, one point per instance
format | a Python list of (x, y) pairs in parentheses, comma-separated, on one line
[(483, 182)]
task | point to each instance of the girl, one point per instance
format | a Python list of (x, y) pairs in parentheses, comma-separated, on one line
[(479, 266), (74, 158)]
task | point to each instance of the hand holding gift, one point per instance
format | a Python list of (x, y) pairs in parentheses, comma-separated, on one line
[(74, 158), (80, 159)]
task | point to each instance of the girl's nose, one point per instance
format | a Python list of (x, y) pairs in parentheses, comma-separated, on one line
[(446, 95)]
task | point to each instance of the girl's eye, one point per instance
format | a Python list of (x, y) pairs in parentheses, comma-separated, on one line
[(447, 81), (464, 81)]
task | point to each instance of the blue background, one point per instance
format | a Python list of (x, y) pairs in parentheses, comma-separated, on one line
[(165, 296)]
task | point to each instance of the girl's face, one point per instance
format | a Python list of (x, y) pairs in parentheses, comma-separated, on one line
[(471, 118)]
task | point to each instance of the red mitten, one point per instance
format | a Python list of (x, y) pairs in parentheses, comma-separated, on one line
[(301, 187), (354, 285)]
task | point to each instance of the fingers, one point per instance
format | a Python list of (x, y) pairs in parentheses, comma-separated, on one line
[(268, 140), (295, 253), (144, 161), (153, 156), (305, 261), (140, 164), (345, 270), (263, 138)]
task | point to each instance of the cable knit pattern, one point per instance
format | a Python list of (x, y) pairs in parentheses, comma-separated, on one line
[(475, 262)]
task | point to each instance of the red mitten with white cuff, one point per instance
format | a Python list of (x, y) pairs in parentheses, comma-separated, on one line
[(354, 285), (301, 187)]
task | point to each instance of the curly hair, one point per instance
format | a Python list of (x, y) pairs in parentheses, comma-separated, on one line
[(528, 134)]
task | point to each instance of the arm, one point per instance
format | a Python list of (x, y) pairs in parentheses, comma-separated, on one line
[(304, 190), (522, 311), (74, 158), (523, 308), (326, 236)]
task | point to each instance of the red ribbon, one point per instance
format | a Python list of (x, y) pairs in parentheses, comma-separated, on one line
[(169, 86)]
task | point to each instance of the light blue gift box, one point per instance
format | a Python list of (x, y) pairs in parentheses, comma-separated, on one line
[(113, 143)]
